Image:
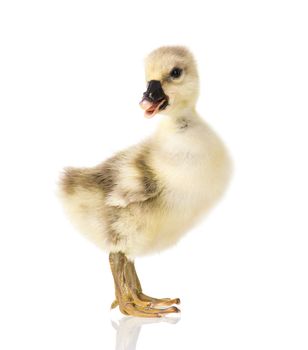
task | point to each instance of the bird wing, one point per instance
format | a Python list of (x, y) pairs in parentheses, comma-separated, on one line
[(128, 178)]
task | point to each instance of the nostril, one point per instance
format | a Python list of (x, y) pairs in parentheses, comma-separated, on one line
[(154, 91)]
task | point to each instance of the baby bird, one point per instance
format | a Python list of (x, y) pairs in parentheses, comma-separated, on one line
[(143, 199)]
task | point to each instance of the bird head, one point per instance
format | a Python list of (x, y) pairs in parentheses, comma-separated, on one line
[(172, 81)]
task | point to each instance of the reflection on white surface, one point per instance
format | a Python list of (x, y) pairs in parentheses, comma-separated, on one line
[(128, 330)]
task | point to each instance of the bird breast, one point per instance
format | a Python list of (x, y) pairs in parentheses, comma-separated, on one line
[(194, 167)]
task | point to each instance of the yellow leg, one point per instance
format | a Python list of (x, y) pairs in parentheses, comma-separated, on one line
[(128, 291), (143, 297)]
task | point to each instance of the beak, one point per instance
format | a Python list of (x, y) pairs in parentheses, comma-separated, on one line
[(154, 99)]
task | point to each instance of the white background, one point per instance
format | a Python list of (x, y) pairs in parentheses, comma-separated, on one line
[(71, 77)]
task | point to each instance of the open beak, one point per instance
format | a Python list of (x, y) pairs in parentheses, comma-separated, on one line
[(154, 99)]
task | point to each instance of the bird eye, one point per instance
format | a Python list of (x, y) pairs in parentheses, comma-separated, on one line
[(176, 73)]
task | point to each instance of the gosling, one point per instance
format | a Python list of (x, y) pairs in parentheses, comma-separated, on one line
[(145, 198)]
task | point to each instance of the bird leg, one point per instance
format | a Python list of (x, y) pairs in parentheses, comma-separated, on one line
[(137, 290), (128, 293)]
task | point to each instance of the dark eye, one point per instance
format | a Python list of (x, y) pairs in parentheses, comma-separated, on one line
[(176, 73)]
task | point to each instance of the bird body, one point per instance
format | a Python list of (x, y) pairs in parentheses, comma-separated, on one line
[(143, 199), (158, 189)]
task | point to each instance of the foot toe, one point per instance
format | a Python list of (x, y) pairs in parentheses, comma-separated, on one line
[(114, 304), (134, 310)]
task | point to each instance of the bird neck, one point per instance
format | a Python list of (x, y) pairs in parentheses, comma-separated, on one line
[(180, 121)]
